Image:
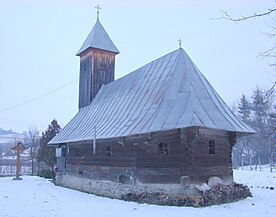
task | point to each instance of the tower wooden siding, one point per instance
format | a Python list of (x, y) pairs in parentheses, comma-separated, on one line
[(103, 69), (97, 68)]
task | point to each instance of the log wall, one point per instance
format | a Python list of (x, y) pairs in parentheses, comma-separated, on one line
[(205, 164), (139, 156)]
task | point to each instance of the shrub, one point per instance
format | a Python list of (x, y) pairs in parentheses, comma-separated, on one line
[(48, 174)]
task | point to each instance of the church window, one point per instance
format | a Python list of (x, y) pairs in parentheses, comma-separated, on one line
[(197, 132), (212, 147), (78, 153), (163, 149), (109, 150)]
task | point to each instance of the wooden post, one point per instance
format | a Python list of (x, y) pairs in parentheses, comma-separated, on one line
[(242, 161), (250, 162), (17, 161), (18, 148), (94, 141), (259, 160), (271, 162)]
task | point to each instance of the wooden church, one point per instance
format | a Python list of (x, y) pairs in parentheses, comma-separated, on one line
[(157, 124)]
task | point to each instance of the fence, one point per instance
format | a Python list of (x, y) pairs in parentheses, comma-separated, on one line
[(8, 167), (11, 170)]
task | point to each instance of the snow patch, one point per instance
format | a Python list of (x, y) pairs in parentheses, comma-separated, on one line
[(34, 196)]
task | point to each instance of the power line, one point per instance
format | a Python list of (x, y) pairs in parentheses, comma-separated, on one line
[(36, 98), (11, 137), (20, 123)]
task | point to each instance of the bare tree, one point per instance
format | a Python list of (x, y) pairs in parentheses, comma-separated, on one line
[(31, 140), (269, 53)]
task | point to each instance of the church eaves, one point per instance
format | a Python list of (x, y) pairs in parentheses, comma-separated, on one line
[(98, 38), (168, 93)]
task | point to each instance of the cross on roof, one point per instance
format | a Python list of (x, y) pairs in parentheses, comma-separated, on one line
[(98, 10), (180, 41)]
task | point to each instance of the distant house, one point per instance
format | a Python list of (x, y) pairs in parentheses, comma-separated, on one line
[(9, 155), (157, 124)]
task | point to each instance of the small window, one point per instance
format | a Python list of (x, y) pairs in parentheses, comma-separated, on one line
[(212, 147), (77, 153), (197, 132), (108, 150), (163, 149)]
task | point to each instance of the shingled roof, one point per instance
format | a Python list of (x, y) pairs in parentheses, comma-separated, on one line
[(98, 38), (168, 93)]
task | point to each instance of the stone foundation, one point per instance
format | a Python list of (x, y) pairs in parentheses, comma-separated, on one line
[(183, 194), (116, 190)]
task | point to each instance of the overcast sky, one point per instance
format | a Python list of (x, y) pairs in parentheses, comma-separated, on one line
[(39, 40)]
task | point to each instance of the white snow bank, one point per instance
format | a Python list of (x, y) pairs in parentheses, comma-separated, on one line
[(36, 197)]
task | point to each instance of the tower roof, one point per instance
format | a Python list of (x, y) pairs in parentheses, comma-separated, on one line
[(98, 38), (168, 93)]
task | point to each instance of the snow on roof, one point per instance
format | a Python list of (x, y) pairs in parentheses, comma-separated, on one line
[(98, 38), (168, 93)]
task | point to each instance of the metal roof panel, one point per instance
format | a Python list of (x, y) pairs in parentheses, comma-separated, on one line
[(167, 93)]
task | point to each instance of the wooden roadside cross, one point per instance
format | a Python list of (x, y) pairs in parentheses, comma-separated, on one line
[(18, 148)]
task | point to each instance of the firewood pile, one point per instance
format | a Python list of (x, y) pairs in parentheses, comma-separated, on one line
[(225, 193), (216, 195)]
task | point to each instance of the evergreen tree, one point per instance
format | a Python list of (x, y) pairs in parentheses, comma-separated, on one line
[(261, 116), (244, 109), (45, 153), (243, 150), (261, 122), (261, 108)]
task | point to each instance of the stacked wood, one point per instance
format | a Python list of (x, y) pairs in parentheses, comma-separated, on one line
[(218, 194)]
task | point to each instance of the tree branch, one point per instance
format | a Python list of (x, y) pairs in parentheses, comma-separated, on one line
[(271, 90), (271, 52), (226, 16)]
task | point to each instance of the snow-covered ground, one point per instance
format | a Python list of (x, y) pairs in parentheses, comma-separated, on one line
[(36, 197)]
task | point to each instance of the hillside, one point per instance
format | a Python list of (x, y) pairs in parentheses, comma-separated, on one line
[(7, 136)]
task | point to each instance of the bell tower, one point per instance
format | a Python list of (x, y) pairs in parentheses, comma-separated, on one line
[(97, 63)]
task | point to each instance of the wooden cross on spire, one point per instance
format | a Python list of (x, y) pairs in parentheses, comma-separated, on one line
[(179, 41), (98, 10)]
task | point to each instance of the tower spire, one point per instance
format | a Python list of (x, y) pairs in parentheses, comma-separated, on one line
[(98, 10), (97, 62)]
